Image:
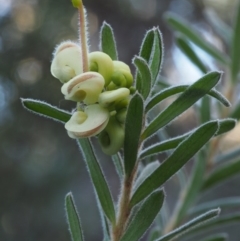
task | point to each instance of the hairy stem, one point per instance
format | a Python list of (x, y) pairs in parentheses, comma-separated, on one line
[(83, 37), (124, 207)]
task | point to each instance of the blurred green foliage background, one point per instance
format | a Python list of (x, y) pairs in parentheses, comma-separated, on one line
[(39, 163)]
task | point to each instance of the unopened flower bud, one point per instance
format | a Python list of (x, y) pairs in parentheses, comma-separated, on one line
[(110, 98), (121, 115), (67, 61), (101, 63), (77, 3), (111, 138), (122, 76), (85, 87), (88, 123)]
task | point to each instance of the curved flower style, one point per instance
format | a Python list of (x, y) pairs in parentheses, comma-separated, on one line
[(67, 61), (88, 123), (85, 87)]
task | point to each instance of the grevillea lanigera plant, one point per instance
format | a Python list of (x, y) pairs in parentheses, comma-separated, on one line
[(117, 107)]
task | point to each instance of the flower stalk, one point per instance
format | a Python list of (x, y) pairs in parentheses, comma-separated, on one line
[(83, 36)]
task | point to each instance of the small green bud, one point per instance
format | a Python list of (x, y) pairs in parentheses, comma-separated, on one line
[(77, 3), (112, 86)]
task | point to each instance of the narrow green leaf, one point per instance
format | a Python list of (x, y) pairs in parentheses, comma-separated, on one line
[(222, 173), (228, 156), (98, 179), (217, 223), (157, 55), (118, 163), (145, 172), (186, 150), (147, 45), (190, 96), (230, 202), (205, 109), (191, 190), (73, 219), (219, 26), (145, 52), (153, 235), (163, 146), (144, 217), (107, 41), (191, 225), (236, 112), (133, 127), (186, 29), (46, 110), (225, 125), (187, 49), (235, 51), (144, 75), (217, 237), (170, 91)]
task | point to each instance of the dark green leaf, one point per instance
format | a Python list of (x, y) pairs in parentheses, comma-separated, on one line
[(107, 41), (205, 109), (73, 219), (147, 45), (133, 127), (153, 235), (144, 217), (225, 125), (230, 202), (219, 26), (222, 173), (46, 110), (190, 96), (217, 223), (98, 179), (167, 92), (184, 28), (217, 237), (145, 172), (144, 76), (187, 49), (163, 146), (235, 51), (228, 156), (156, 55), (186, 150), (236, 112), (191, 190), (191, 225), (145, 52)]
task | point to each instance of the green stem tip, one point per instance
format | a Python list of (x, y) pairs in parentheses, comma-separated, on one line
[(77, 3)]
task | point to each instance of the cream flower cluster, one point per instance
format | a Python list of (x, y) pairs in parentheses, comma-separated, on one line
[(103, 92)]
